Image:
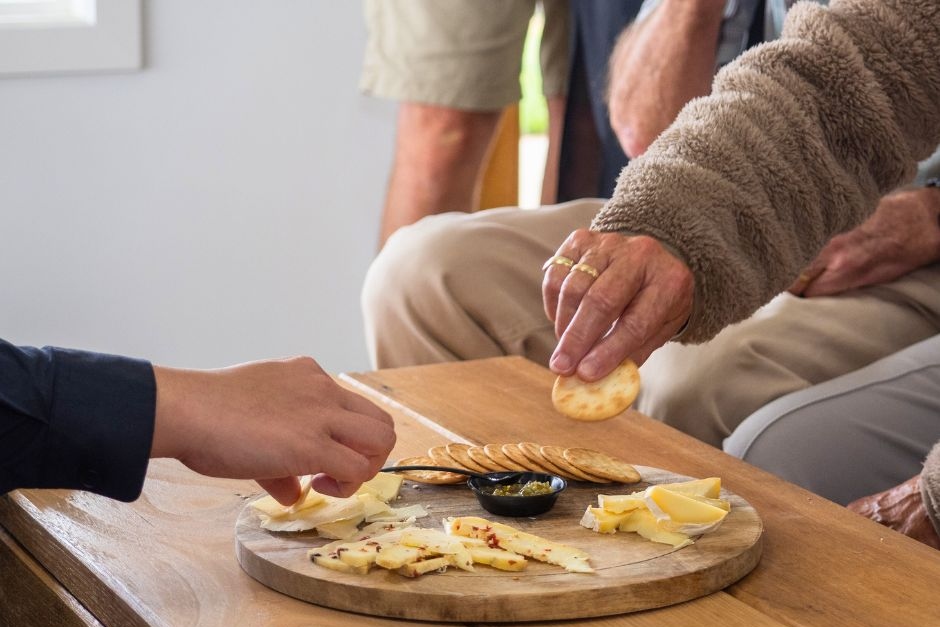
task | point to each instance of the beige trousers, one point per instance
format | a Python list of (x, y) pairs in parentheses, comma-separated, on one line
[(468, 286)]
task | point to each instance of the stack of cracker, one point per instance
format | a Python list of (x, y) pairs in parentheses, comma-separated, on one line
[(573, 464)]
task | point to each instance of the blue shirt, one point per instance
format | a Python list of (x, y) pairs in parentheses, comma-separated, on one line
[(74, 419)]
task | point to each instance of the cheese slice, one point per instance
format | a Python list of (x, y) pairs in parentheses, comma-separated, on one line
[(602, 521), (384, 486), (340, 529), (498, 535), (620, 503), (710, 487), (644, 523), (680, 513), (331, 510), (440, 543), (498, 558), (268, 506), (314, 510)]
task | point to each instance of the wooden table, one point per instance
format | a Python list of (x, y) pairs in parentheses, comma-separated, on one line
[(71, 558)]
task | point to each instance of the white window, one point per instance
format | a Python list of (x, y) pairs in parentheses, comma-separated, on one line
[(42, 36)]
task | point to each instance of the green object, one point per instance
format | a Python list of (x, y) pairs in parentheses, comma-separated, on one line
[(530, 488), (533, 110)]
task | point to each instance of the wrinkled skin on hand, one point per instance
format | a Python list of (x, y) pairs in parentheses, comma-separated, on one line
[(640, 299), (900, 508), (271, 421), (901, 236)]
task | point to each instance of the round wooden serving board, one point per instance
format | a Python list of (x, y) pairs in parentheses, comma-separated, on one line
[(632, 572)]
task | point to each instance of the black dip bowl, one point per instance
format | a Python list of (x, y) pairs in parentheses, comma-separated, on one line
[(516, 505)]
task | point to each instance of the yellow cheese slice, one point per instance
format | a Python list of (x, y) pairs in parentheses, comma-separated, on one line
[(271, 508), (498, 535), (384, 486), (680, 513), (620, 503), (439, 543), (341, 529), (331, 510), (602, 521), (644, 523), (710, 487)]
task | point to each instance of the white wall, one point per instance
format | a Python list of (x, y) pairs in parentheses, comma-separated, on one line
[(221, 205)]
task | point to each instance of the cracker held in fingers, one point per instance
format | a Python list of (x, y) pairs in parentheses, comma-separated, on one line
[(598, 400)]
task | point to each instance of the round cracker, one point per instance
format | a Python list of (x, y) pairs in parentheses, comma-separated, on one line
[(515, 453), (556, 455), (458, 451), (495, 452), (479, 455), (598, 400), (441, 457), (436, 477), (534, 452), (602, 465)]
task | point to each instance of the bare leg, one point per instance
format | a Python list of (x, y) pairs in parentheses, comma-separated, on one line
[(439, 153)]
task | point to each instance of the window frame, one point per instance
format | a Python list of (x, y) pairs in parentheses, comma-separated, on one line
[(65, 36)]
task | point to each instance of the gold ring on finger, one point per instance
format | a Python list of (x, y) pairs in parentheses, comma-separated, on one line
[(558, 260), (587, 269)]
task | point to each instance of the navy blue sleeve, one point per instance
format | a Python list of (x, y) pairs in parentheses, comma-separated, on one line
[(75, 419)]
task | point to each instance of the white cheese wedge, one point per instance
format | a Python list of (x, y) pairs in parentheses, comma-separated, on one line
[(680, 513)]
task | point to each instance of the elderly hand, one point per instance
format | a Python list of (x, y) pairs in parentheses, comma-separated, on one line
[(901, 508), (271, 421), (640, 297), (902, 235)]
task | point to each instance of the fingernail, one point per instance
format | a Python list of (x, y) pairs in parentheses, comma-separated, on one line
[(587, 369), (560, 362)]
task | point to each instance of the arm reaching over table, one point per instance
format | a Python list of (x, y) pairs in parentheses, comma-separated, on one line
[(797, 142), (90, 421), (271, 421)]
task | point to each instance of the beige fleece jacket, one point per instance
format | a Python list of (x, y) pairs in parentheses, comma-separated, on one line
[(797, 142)]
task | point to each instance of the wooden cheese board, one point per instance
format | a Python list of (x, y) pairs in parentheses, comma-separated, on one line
[(632, 573)]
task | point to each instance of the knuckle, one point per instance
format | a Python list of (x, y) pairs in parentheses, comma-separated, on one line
[(601, 301), (636, 330), (644, 245)]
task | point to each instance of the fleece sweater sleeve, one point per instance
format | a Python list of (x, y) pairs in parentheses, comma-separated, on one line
[(74, 419), (797, 142)]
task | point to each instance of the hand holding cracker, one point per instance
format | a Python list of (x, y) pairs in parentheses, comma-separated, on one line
[(620, 296)]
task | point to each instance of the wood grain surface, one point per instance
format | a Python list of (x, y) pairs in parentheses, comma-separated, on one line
[(821, 563), (169, 558), (632, 573)]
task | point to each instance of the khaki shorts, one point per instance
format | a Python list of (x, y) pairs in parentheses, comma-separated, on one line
[(465, 54)]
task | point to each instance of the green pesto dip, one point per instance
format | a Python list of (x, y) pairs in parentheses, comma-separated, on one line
[(530, 488)]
